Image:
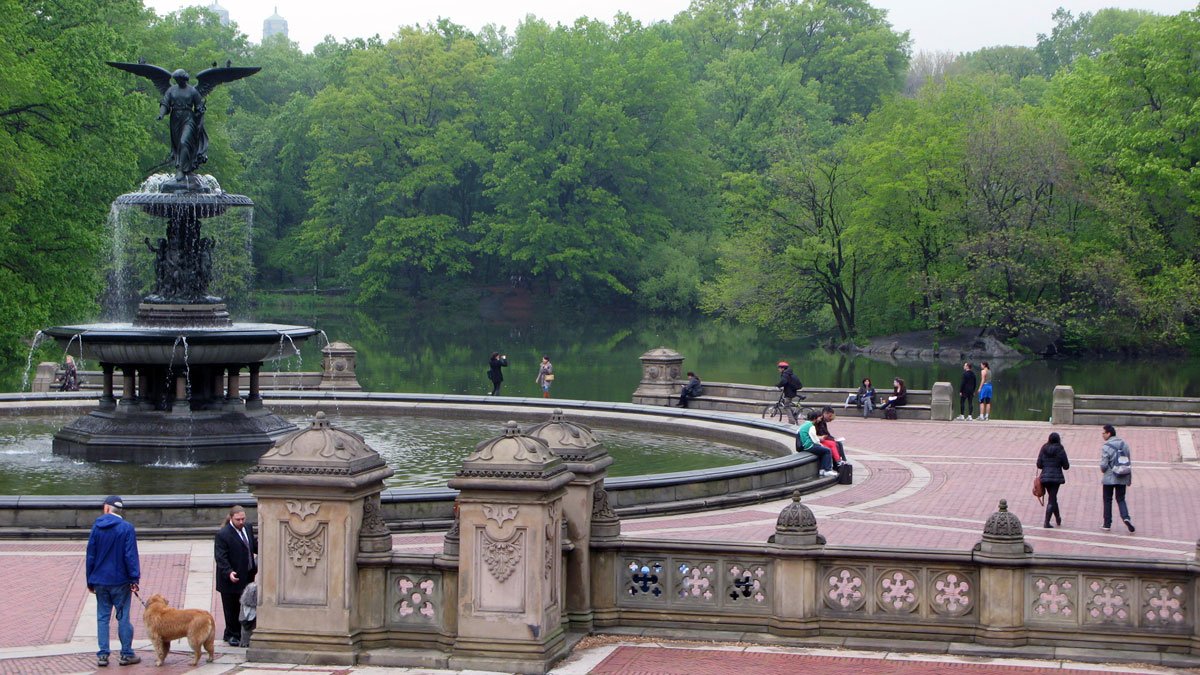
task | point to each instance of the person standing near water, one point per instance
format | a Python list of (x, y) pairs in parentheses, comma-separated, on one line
[(495, 363), (985, 392), (545, 376), (966, 392)]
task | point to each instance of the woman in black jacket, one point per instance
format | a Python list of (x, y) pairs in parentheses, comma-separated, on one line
[(1052, 460)]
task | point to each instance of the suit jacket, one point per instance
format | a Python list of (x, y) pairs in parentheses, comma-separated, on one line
[(231, 554)]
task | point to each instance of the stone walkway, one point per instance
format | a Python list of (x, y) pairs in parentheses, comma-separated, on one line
[(917, 485)]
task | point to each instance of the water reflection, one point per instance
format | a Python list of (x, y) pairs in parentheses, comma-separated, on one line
[(423, 451), (445, 350)]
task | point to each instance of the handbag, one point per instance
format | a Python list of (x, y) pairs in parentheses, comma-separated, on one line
[(549, 377), (1039, 490)]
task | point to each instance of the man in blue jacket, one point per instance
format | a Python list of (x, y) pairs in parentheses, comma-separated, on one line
[(113, 573)]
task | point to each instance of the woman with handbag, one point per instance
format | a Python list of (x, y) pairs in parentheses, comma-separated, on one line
[(545, 376), (1052, 460)]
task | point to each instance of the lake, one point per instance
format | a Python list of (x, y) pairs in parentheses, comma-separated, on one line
[(445, 349)]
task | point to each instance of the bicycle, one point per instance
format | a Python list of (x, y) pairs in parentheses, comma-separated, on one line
[(784, 406)]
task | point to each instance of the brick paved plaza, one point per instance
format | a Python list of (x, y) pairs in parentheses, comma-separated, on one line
[(927, 485)]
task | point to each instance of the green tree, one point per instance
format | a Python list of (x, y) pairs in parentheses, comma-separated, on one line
[(1087, 35), (597, 152)]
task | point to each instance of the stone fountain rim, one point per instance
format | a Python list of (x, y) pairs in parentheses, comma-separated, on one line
[(232, 334)]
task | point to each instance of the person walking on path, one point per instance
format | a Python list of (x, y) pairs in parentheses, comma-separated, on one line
[(545, 376), (234, 550), (985, 392), (495, 363), (966, 392), (690, 390), (1052, 460), (1116, 463), (113, 573)]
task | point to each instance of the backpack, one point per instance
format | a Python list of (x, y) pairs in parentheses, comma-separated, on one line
[(795, 381), (889, 413), (1122, 466)]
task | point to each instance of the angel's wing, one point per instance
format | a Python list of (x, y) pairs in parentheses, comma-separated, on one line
[(160, 77), (208, 79)]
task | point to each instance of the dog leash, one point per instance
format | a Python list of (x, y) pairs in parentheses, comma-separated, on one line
[(139, 597)]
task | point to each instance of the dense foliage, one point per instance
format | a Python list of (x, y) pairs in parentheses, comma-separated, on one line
[(783, 162)]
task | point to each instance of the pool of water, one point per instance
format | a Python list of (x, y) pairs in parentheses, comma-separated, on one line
[(423, 451)]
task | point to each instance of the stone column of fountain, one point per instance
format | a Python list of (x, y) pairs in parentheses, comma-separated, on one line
[(181, 357)]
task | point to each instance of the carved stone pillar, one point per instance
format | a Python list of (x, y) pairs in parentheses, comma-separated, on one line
[(128, 387), (181, 405), (661, 370), (941, 402), (588, 460), (317, 492), (254, 398), (510, 556), (1003, 556), (796, 583), (1062, 409), (338, 367)]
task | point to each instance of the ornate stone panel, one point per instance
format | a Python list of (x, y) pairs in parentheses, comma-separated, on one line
[(414, 599), (844, 588), (952, 593), (503, 560), (897, 591), (1164, 604), (683, 582), (304, 567), (696, 582), (1054, 598), (745, 584), (1108, 601)]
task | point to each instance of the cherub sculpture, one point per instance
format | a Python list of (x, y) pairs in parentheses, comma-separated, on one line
[(185, 103)]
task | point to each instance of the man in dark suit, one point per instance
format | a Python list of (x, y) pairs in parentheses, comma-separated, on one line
[(234, 549)]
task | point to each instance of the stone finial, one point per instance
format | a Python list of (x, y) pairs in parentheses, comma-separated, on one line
[(1003, 534), (322, 449), (605, 522), (573, 442), (512, 455), (797, 526)]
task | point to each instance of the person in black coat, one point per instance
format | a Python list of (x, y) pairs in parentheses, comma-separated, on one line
[(495, 363), (1052, 460), (692, 389), (966, 392), (234, 549)]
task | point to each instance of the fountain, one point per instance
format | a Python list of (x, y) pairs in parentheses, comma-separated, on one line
[(181, 360)]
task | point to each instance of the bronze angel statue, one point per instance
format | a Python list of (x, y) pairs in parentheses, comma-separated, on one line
[(185, 103)]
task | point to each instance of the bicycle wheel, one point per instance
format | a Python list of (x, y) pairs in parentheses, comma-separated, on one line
[(773, 412), (806, 412)]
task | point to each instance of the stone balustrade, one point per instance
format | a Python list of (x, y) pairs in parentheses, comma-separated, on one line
[(1146, 411)]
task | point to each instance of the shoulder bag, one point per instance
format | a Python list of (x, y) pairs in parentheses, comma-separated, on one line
[(1039, 490)]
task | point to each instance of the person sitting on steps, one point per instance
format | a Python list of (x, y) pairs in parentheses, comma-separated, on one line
[(692, 389), (897, 397), (864, 398)]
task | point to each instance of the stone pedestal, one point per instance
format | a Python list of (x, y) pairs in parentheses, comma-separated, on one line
[(585, 457), (43, 378), (1063, 410), (661, 368), (941, 405), (510, 556), (318, 496), (339, 367), (1002, 555)]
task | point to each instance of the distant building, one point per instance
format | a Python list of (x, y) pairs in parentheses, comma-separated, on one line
[(219, 11), (274, 25)]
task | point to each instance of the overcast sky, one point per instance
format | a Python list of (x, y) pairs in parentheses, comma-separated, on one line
[(934, 25)]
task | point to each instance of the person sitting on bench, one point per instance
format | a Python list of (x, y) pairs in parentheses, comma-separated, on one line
[(897, 397), (808, 441), (865, 398), (692, 389)]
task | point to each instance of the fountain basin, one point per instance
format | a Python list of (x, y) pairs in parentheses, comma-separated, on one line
[(239, 343)]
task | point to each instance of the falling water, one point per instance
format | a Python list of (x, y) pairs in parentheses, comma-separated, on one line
[(114, 306), (37, 340)]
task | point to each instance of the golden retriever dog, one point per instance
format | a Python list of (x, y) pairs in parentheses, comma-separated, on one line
[(165, 623)]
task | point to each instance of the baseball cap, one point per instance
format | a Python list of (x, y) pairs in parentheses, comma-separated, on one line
[(783, 364), (114, 500)]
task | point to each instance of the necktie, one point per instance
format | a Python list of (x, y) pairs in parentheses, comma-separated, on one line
[(245, 540)]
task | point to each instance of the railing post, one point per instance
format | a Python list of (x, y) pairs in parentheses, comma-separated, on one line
[(1063, 410), (510, 556), (941, 405), (1002, 556), (588, 460), (339, 367), (661, 368), (318, 515), (797, 595)]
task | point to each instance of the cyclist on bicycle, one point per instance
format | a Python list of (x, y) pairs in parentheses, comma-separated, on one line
[(788, 382)]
